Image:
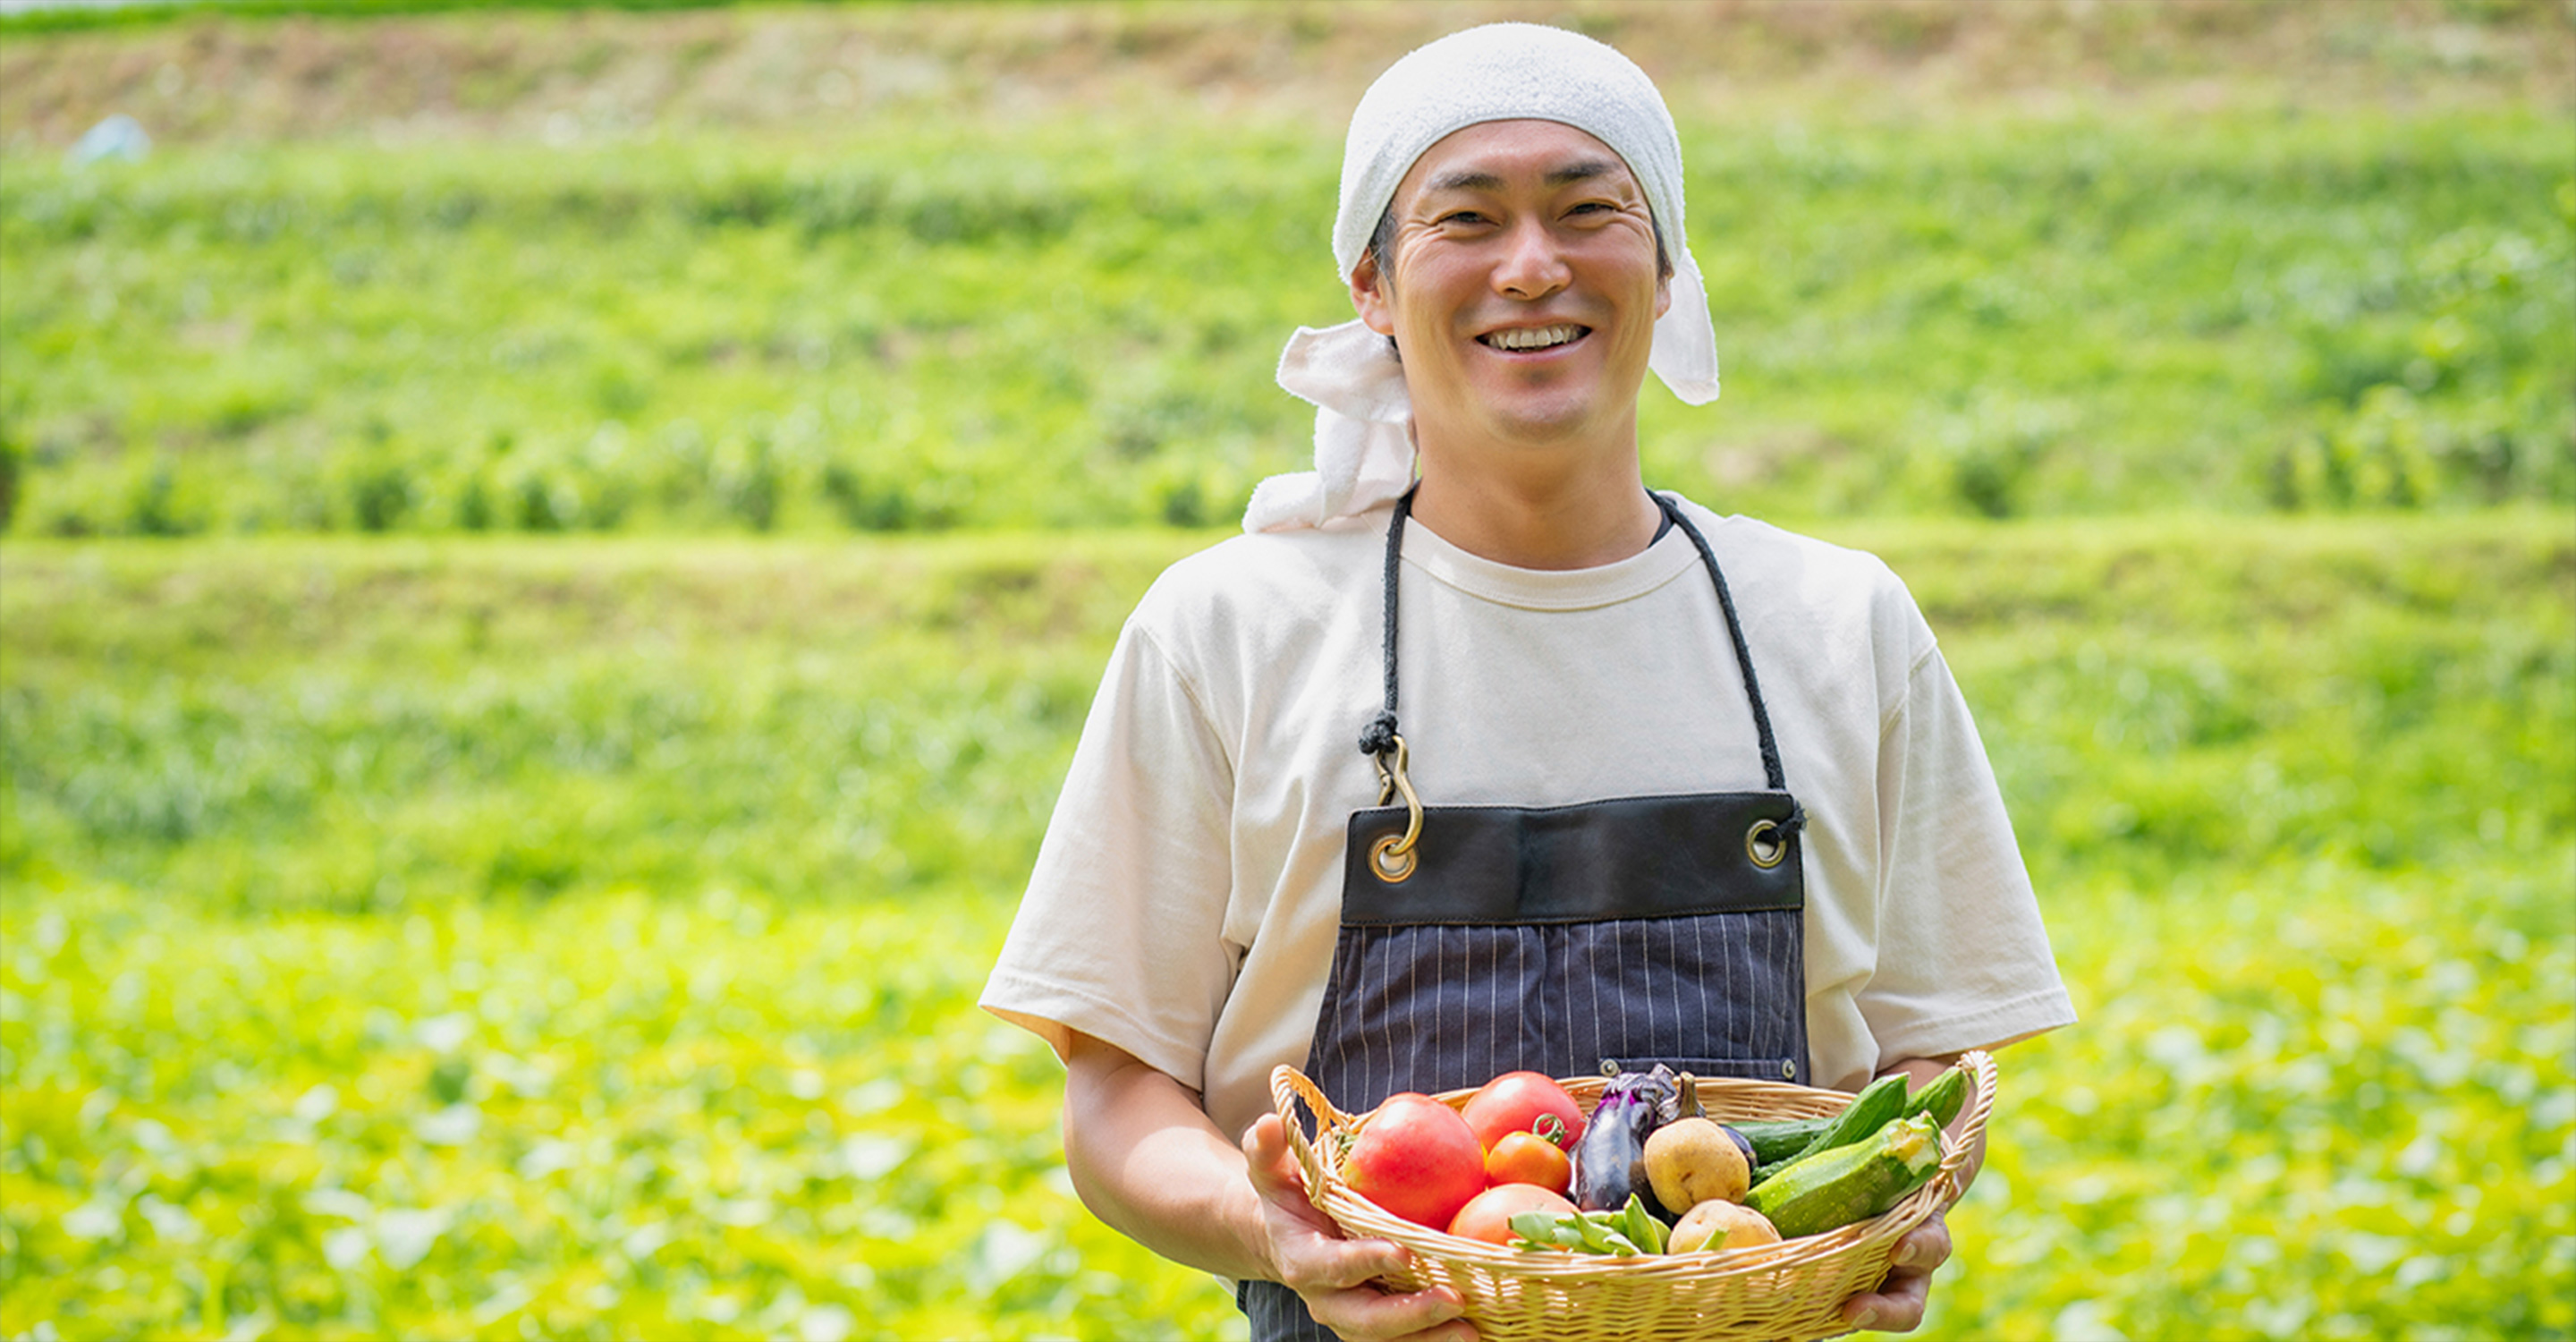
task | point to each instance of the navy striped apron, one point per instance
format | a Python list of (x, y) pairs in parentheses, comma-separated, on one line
[(1561, 939)]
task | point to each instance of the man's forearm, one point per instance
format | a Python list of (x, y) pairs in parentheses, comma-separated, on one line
[(1147, 1160)]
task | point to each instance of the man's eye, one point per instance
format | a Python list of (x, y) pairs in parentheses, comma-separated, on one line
[(1462, 217)]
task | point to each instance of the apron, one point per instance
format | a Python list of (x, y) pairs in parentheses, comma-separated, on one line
[(1614, 934)]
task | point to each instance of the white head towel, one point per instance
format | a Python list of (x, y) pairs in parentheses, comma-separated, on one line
[(1499, 72)]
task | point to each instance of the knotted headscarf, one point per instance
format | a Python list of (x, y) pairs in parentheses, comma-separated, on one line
[(1499, 72)]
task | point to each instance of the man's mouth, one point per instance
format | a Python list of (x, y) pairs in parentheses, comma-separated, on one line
[(1521, 340)]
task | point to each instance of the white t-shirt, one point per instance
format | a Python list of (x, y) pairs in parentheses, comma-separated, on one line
[(1186, 901)]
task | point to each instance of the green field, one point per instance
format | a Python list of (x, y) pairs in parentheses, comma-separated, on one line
[(376, 964), (934, 317), (553, 562)]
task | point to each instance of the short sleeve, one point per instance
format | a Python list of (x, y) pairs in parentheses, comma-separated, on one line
[(1119, 935), (1963, 960)]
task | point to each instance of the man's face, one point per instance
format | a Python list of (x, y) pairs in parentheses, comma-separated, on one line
[(1525, 289)]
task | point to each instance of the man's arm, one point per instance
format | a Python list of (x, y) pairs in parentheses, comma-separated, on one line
[(1897, 1305), (1146, 1159)]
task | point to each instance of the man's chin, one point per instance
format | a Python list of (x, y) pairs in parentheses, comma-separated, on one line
[(1542, 427)]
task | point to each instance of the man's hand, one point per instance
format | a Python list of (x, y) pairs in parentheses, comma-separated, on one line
[(1146, 1159), (1333, 1275), (1897, 1305)]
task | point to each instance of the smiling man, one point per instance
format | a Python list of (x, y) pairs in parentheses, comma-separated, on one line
[(1635, 781), (1526, 261)]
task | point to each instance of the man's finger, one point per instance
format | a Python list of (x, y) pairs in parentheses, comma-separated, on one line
[(1924, 1248), (1416, 1316), (1897, 1305), (1278, 1181), (1313, 1262), (1897, 1309), (1265, 1145)]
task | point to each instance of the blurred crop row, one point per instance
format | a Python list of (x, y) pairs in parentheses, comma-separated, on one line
[(957, 328), (506, 939)]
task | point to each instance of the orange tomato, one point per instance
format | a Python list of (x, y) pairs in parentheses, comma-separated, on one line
[(1488, 1216), (1527, 1158)]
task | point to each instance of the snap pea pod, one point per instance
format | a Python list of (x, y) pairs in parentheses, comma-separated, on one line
[(1629, 1232)]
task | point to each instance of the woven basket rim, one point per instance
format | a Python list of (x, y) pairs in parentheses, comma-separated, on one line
[(1723, 1097)]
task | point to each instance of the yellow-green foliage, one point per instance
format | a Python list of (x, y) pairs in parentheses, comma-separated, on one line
[(580, 938)]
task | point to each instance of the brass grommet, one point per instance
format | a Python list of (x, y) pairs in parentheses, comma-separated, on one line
[(1391, 867), (1766, 845)]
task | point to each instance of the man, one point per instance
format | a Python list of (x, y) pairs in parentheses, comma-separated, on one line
[(1638, 782)]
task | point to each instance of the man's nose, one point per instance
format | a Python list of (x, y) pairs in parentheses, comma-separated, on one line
[(1532, 264)]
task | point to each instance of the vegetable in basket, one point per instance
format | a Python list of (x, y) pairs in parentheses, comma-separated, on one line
[(1714, 1225), (1629, 1232), (1776, 1145), (1524, 1102), (1943, 1099), (1836, 1188), (1488, 1216), (1869, 1111), (1610, 1161), (1693, 1160), (1776, 1142), (1416, 1158)]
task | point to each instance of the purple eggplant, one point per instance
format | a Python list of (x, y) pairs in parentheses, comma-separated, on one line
[(1610, 1161)]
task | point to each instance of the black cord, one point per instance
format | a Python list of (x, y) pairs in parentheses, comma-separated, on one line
[(1378, 738)]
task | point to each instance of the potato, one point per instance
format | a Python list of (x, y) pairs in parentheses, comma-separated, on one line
[(1692, 1160), (1741, 1228)]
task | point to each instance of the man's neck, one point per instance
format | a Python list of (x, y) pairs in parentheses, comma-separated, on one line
[(1540, 518)]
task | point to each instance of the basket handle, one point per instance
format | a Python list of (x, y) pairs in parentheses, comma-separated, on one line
[(1981, 1071), (1288, 1089)]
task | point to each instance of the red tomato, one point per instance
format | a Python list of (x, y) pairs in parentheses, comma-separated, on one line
[(1527, 1158), (1417, 1158), (1515, 1101), (1488, 1216)]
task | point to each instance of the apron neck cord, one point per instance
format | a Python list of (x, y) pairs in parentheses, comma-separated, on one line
[(1771, 770), (1378, 738)]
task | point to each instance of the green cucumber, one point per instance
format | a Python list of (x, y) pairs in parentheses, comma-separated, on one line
[(1869, 1111), (1779, 1141), (1943, 1099), (1833, 1189)]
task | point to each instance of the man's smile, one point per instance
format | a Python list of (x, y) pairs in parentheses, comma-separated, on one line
[(1519, 339)]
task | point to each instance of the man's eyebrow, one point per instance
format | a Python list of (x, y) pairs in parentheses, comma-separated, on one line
[(1476, 179), (1583, 171)]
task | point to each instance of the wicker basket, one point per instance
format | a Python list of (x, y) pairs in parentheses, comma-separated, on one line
[(1791, 1290)]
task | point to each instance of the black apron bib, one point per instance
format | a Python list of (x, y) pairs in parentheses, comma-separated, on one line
[(1478, 940)]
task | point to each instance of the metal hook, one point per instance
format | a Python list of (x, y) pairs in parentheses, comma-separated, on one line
[(1392, 857)]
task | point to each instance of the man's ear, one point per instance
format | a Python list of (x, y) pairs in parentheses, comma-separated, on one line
[(1372, 296), (1663, 296)]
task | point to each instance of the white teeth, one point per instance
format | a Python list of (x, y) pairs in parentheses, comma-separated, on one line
[(1537, 337)]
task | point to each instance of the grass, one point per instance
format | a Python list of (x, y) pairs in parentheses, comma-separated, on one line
[(906, 331)]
